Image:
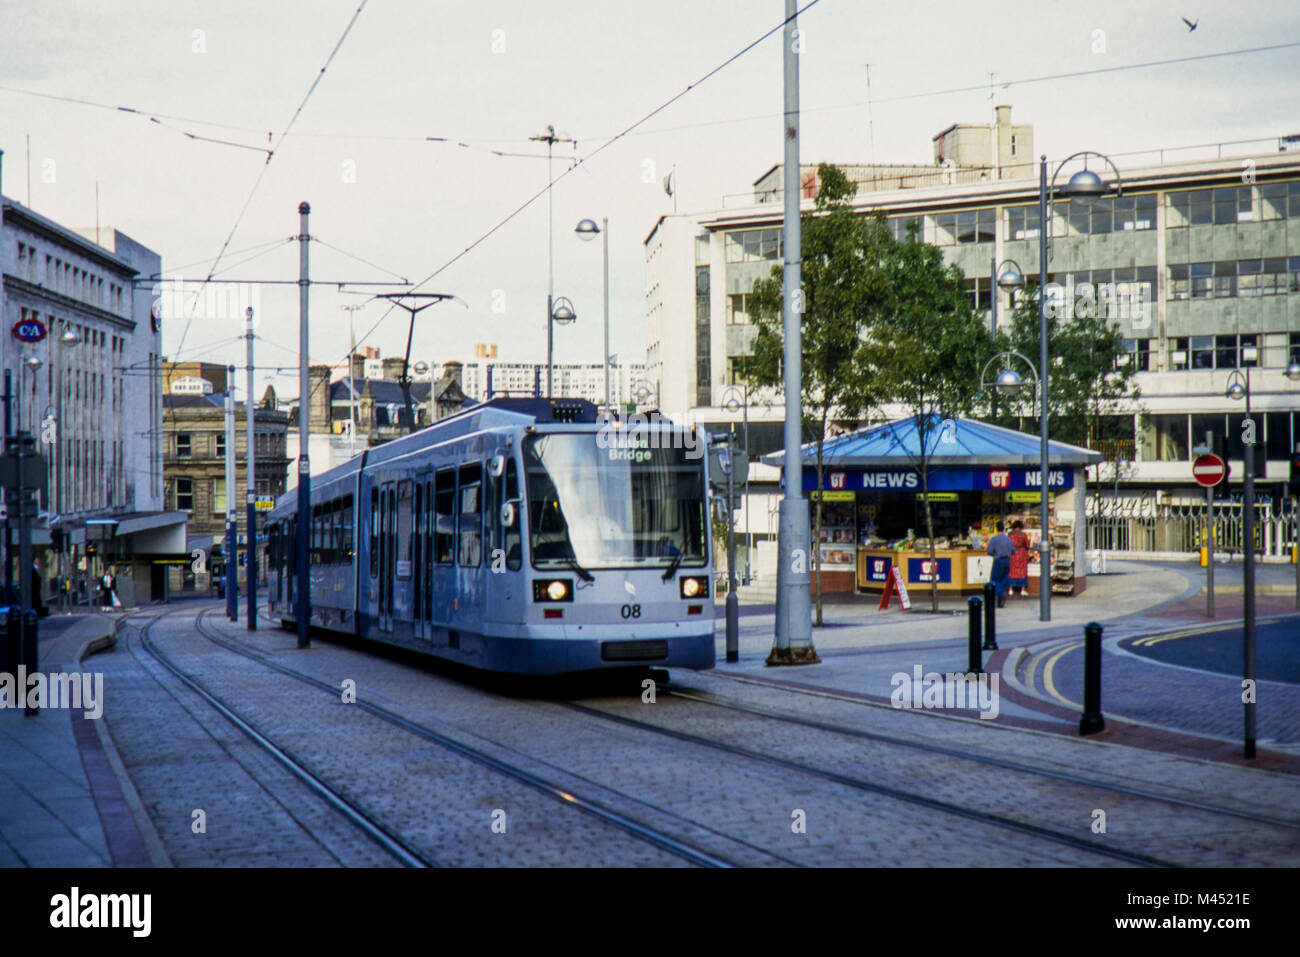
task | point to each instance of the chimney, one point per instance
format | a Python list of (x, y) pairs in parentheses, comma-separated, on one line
[(1004, 116), (319, 400), (393, 366), (453, 370), (358, 370)]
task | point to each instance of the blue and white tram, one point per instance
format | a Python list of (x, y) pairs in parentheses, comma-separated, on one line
[(518, 536)]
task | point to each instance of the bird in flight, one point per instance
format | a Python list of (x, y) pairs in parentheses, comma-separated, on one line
[(1190, 25)]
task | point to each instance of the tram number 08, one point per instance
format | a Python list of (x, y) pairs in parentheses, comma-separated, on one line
[(631, 611)]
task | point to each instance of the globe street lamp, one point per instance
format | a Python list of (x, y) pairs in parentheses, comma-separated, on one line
[(1084, 185), (587, 231), (1010, 278)]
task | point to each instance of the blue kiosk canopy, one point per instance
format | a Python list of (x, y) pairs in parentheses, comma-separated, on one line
[(963, 455)]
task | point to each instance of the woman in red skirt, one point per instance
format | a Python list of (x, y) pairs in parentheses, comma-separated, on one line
[(1019, 577)]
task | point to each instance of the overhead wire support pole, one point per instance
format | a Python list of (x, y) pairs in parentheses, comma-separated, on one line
[(304, 434), (231, 547), (550, 139), (793, 644), (250, 481)]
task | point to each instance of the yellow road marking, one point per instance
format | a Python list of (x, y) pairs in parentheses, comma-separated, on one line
[(1048, 684)]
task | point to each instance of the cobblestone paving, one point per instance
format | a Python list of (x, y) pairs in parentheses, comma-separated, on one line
[(182, 756), (737, 808), (1186, 835), (746, 800)]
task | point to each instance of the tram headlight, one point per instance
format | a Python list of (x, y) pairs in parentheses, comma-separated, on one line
[(553, 589), (694, 587)]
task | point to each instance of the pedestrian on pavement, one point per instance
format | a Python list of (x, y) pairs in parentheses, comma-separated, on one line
[(1018, 580), (106, 591), (1001, 548)]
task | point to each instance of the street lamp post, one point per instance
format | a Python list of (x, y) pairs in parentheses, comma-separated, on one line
[(731, 405), (587, 230), (1084, 185), (550, 139), (69, 337), (1293, 373), (562, 312), (1239, 389)]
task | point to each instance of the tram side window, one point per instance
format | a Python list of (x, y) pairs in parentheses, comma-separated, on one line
[(471, 515), (374, 532), (512, 536), (444, 531), (345, 526), (314, 554)]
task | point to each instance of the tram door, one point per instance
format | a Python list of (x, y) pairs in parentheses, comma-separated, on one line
[(420, 562), (387, 538), (501, 542), (403, 536)]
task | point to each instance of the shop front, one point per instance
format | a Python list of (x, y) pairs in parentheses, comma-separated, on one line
[(873, 507)]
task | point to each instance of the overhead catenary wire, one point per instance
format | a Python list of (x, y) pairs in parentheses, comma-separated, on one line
[(271, 155), (578, 163)]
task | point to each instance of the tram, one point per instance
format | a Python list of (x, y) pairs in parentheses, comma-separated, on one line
[(521, 535)]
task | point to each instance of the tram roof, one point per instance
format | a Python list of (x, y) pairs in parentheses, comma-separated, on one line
[(966, 442)]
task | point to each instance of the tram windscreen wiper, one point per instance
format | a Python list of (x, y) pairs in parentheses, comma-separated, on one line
[(572, 562), (674, 565)]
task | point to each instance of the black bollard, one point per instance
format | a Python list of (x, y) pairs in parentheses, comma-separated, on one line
[(1092, 721), (13, 642), (990, 616), (975, 664), (31, 645)]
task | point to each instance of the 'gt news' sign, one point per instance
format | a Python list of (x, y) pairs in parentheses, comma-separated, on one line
[(941, 480)]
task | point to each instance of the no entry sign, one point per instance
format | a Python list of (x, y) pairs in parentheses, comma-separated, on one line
[(1208, 470)]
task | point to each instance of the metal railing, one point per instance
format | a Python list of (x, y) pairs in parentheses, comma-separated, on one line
[(1146, 526)]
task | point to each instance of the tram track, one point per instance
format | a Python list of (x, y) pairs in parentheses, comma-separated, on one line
[(354, 814), (704, 697), (899, 794), (637, 829)]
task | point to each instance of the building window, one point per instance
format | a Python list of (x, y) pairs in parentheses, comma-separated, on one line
[(703, 367), (737, 311), (753, 245), (218, 496), (183, 445), (901, 227), (221, 445), (1137, 355), (184, 495), (1022, 222)]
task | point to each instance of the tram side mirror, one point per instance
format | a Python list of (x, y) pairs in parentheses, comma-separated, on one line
[(508, 513), (719, 508), (497, 466)]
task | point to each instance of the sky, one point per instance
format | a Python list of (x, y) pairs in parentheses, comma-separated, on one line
[(375, 148)]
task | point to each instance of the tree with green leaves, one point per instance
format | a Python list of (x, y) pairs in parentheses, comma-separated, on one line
[(925, 353), (843, 286), (1089, 378)]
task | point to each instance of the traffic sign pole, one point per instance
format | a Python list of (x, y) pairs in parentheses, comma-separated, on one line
[(1209, 470)]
